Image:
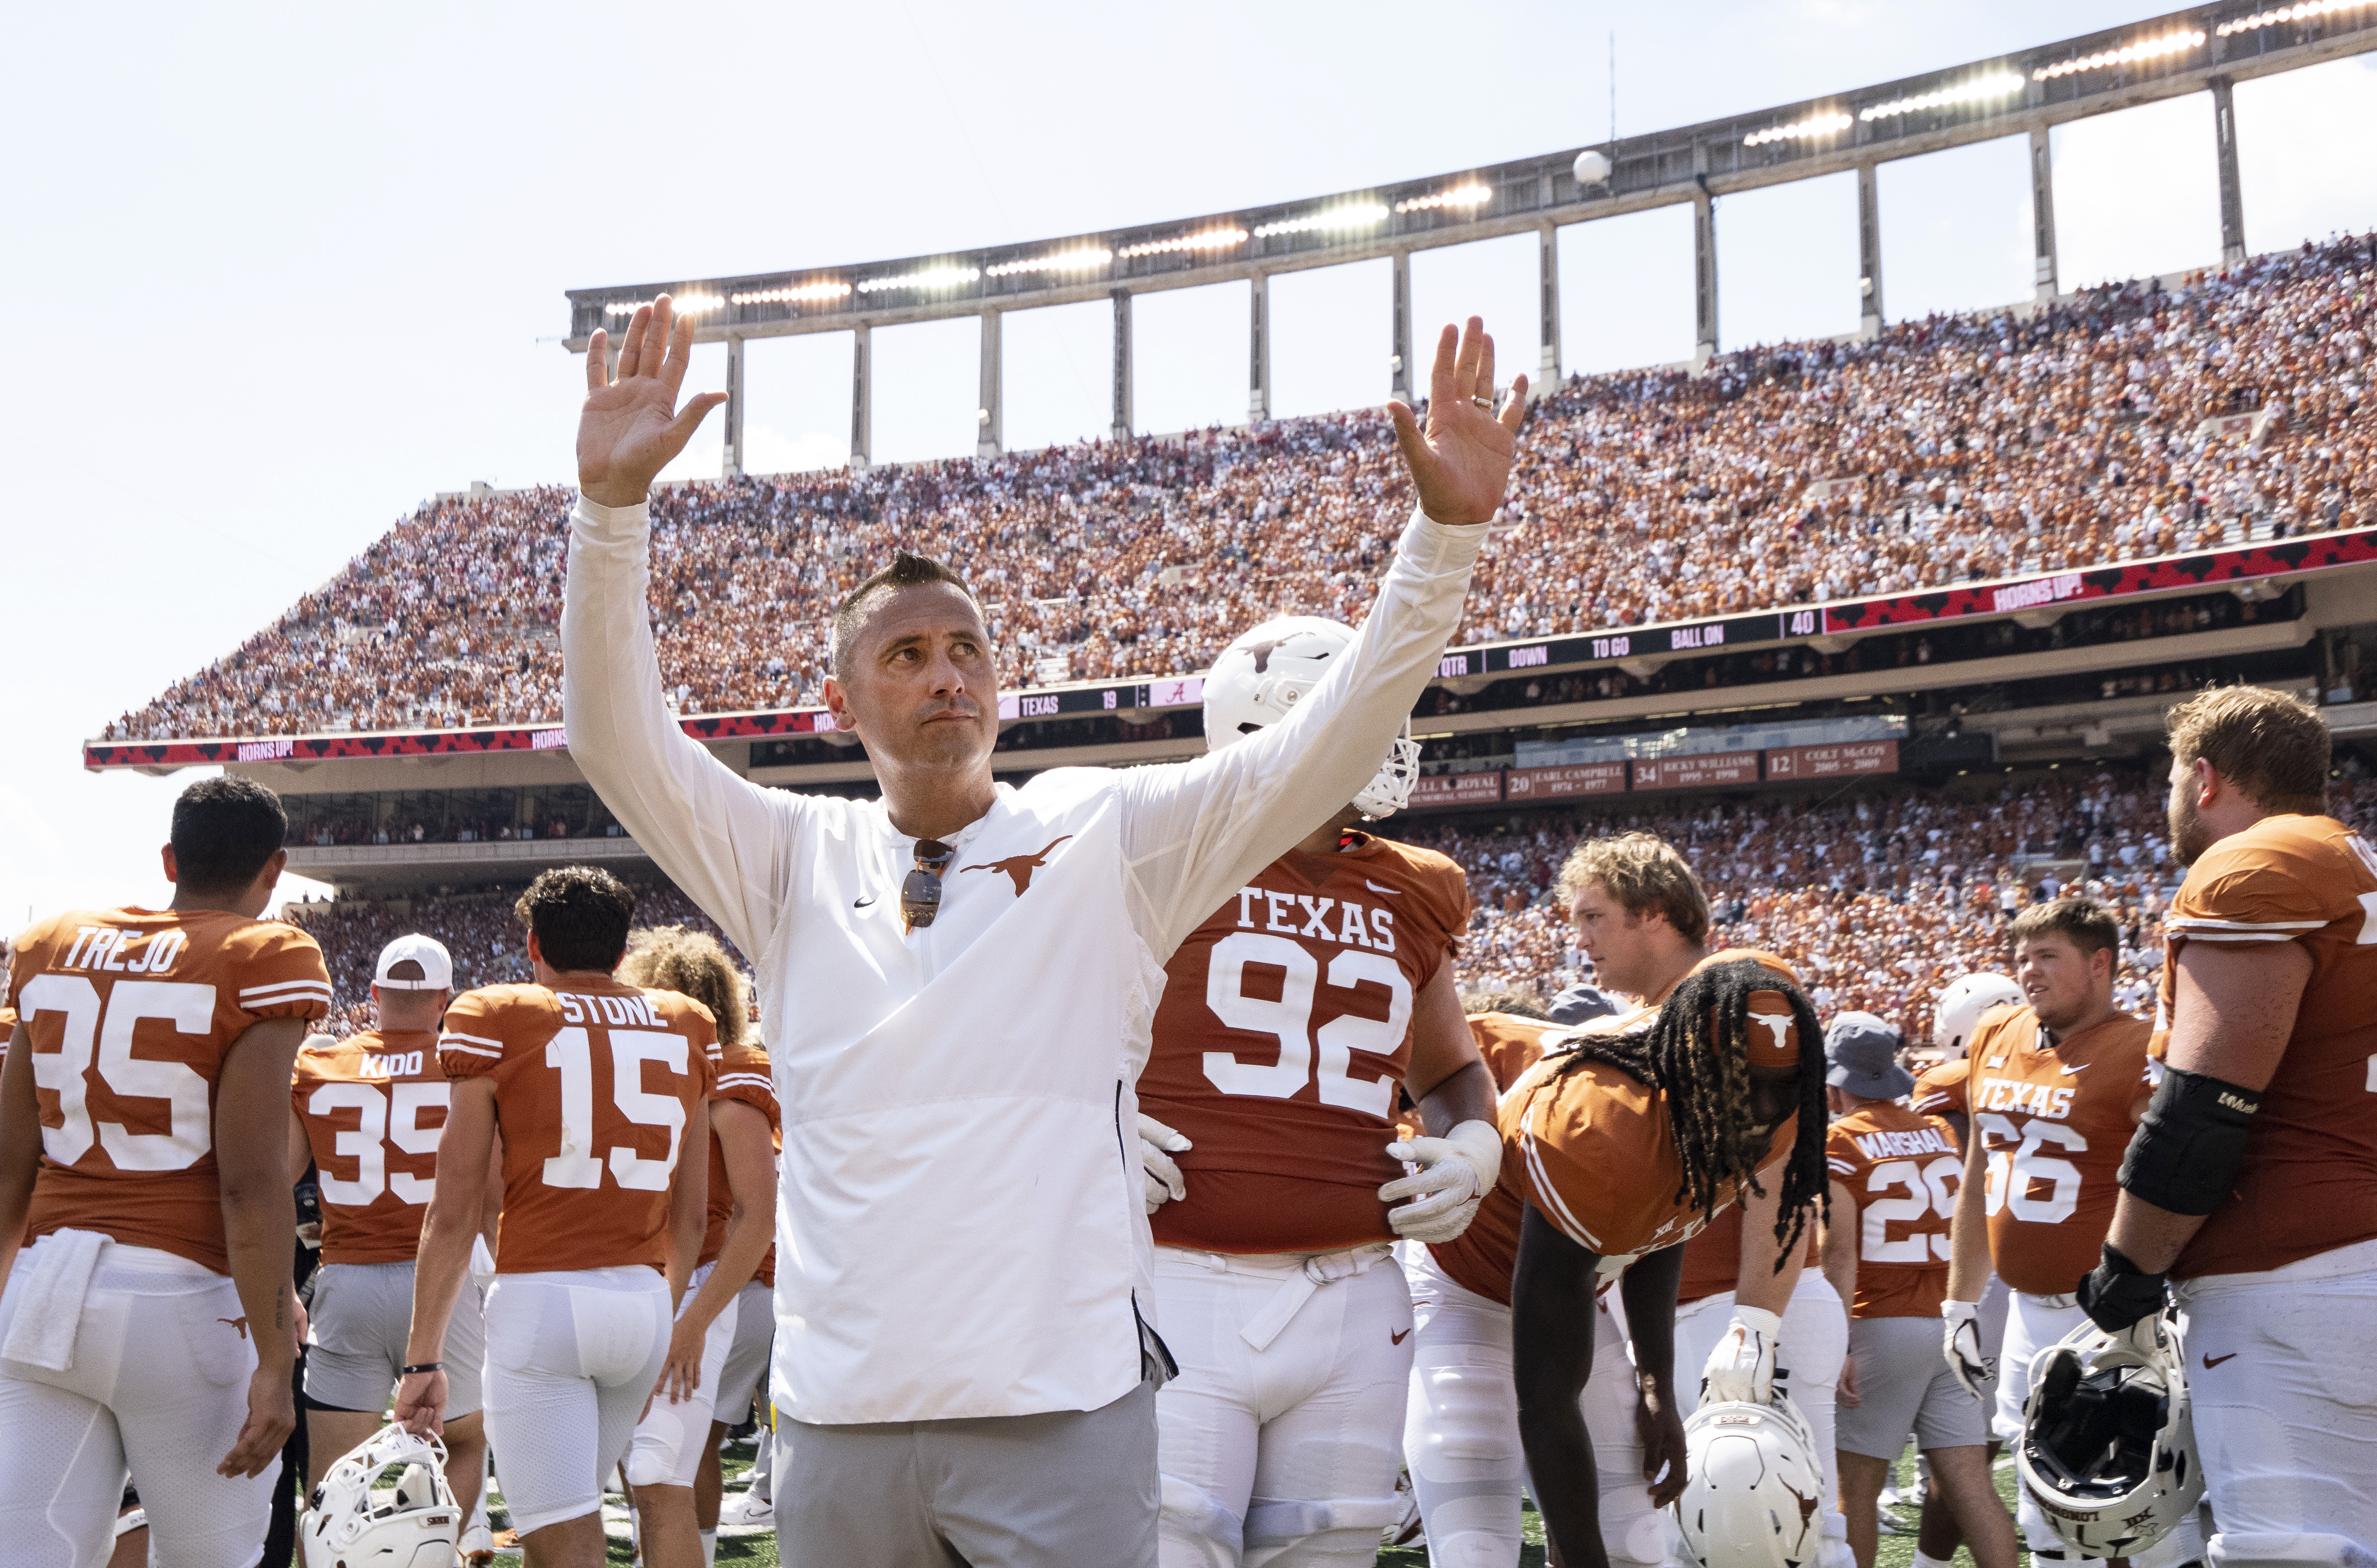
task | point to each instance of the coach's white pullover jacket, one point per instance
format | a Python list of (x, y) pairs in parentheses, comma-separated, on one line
[(962, 1230)]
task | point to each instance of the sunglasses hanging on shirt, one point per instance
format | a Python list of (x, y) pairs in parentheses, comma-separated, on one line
[(920, 895)]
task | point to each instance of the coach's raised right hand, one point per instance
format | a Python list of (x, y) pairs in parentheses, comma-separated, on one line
[(1460, 462), (631, 428)]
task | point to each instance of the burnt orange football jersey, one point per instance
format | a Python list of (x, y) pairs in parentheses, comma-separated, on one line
[(1591, 1147), (1713, 1257), (2053, 1117), (1507, 1043), (1940, 1091), (2308, 1180), (373, 1106), (742, 1075), (1282, 1040), (1902, 1171), (594, 1083), (131, 1014)]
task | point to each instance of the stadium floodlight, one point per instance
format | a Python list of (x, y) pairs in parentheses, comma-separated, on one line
[(926, 278), (1471, 195), (686, 304), (1997, 84), (2144, 49), (1203, 239), (2307, 11), (1808, 130), (1353, 215), (1085, 260), (834, 290)]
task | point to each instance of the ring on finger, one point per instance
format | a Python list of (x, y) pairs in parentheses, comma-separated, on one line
[(1485, 403)]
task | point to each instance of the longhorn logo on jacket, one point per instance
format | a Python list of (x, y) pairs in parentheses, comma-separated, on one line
[(1018, 868)]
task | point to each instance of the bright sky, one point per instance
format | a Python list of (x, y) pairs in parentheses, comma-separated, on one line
[(283, 271)]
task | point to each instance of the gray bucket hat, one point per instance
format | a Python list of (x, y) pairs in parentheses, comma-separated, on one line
[(1861, 1056)]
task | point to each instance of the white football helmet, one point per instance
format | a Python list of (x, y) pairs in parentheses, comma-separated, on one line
[(1755, 1493), (1962, 1007), (347, 1524), (2107, 1444), (1259, 678)]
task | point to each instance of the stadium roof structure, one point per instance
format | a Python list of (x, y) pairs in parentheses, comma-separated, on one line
[(2202, 48)]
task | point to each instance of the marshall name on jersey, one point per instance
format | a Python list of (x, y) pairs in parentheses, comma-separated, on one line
[(1902, 1171), (2053, 1117), (373, 1106), (594, 1084), (131, 1014), (1282, 1038), (2308, 1180)]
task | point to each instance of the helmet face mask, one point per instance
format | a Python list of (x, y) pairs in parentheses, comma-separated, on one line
[(1964, 1003), (1267, 669), (2108, 1448), (347, 1522)]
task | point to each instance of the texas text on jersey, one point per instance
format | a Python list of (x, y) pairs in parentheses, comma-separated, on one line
[(594, 1084), (131, 1013), (1589, 1146), (1902, 1170), (2308, 1180), (2052, 1118), (1282, 1038), (372, 1105)]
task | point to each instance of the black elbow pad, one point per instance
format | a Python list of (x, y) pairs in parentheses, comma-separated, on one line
[(2186, 1152)]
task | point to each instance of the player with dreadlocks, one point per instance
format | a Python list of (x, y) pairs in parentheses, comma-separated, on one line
[(1628, 1135)]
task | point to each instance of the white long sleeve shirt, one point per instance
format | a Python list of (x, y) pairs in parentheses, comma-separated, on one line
[(961, 1230)]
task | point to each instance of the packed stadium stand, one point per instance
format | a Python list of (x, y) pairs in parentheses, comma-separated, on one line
[(1961, 448), (2059, 520)]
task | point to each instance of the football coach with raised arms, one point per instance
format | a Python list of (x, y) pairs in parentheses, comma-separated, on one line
[(959, 979)]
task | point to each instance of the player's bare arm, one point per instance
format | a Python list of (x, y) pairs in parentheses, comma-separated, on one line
[(689, 1205), (1551, 1359), (750, 1155), (1648, 1289), (1447, 1078), (1840, 1252), (2233, 1011), (631, 428), (20, 1146), (259, 1216), (1460, 460), (444, 1262)]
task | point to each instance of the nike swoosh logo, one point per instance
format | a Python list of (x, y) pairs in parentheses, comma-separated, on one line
[(862, 903), (2067, 1072), (2211, 1360), (1390, 892), (1398, 1338)]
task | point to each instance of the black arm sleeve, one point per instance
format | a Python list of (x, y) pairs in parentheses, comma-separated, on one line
[(1552, 1317), (2183, 1158)]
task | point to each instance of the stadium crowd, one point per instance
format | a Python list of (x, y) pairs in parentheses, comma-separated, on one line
[(1970, 446), (1880, 900)]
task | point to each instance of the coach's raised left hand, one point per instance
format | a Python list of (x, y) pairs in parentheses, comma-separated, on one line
[(1462, 459), (631, 428)]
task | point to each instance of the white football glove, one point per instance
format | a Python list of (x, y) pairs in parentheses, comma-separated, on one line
[(1157, 1143), (1741, 1367), (1455, 1173), (1960, 1343)]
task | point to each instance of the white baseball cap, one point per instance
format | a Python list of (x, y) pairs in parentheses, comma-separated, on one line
[(437, 963)]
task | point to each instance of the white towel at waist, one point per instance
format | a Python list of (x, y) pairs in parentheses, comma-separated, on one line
[(56, 1277)]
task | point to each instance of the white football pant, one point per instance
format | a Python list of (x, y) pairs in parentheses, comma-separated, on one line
[(1461, 1430), (1815, 1344), (2282, 1367), (162, 1362), (668, 1441), (2033, 1323), (1276, 1441), (571, 1357)]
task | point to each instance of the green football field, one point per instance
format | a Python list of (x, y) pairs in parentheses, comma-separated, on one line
[(1897, 1551)]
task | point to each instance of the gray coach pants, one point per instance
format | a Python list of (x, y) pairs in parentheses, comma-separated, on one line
[(1069, 1489)]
